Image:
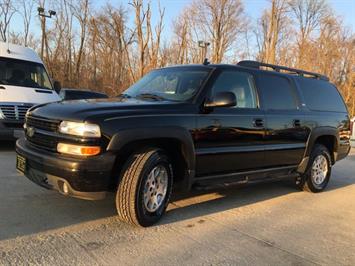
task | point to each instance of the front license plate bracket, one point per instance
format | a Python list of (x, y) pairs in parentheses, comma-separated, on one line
[(21, 163)]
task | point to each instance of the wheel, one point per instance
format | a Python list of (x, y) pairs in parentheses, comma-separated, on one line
[(145, 187), (318, 172)]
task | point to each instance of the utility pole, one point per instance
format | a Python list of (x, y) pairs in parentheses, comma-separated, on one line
[(43, 15), (204, 46)]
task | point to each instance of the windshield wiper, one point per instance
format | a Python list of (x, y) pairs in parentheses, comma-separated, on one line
[(151, 96), (124, 95), (45, 88)]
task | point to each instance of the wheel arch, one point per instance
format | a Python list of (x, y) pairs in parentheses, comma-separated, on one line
[(176, 141), (327, 136)]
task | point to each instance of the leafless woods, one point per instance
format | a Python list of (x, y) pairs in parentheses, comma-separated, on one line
[(107, 47)]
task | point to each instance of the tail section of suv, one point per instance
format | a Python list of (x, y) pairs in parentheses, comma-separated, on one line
[(193, 125)]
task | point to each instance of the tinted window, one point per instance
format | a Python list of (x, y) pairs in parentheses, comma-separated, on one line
[(23, 73), (277, 92), (321, 95), (78, 95), (241, 84)]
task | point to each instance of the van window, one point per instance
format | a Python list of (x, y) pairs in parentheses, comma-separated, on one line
[(23, 73), (277, 93), (241, 84), (321, 95)]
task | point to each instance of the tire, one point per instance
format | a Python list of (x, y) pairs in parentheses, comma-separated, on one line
[(139, 197), (318, 172)]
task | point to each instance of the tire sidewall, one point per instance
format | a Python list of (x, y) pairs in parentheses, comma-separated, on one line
[(145, 217), (319, 150)]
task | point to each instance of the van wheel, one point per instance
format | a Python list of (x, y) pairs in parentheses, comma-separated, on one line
[(145, 187), (318, 173)]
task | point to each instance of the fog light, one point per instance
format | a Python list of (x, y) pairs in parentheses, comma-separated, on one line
[(78, 150), (65, 188)]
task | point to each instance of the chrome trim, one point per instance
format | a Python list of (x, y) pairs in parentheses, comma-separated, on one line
[(254, 148), (184, 115)]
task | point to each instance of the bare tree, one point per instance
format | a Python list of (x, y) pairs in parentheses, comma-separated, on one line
[(272, 26), (26, 10), (155, 39), (109, 48), (81, 13), (148, 40), (308, 15), (220, 22), (141, 17), (182, 37), (7, 10)]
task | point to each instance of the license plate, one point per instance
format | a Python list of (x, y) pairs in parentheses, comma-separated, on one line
[(21, 163)]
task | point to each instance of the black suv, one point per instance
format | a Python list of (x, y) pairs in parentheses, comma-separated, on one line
[(192, 125)]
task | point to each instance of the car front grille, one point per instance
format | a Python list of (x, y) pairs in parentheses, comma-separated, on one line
[(42, 131), (42, 123), (43, 141), (14, 112)]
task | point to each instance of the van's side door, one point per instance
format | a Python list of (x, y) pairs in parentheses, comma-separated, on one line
[(230, 139), (286, 135)]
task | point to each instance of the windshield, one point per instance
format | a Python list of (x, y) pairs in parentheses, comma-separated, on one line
[(23, 73), (175, 84)]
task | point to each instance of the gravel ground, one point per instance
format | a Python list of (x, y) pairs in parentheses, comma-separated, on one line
[(265, 224)]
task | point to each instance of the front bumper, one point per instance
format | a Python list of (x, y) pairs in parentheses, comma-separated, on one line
[(10, 130), (86, 178)]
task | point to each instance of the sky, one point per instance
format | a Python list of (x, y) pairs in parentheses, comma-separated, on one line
[(345, 9)]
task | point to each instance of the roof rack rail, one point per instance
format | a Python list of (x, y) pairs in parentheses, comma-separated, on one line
[(288, 70)]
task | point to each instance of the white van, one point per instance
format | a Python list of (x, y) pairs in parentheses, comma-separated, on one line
[(24, 82)]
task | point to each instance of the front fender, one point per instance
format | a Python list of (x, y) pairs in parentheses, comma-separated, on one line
[(126, 136)]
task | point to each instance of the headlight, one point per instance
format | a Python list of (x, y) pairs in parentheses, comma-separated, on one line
[(80, 129), (1, 115)]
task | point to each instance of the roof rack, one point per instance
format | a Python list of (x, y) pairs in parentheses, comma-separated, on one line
[(288, 70)]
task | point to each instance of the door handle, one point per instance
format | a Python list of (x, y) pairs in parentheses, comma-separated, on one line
[(258, 122), (296, 123)]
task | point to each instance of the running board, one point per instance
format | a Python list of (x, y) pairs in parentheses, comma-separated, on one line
[(247, 177)]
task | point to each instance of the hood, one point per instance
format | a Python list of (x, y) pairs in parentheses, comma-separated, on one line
[(98, 109), (17, 94)]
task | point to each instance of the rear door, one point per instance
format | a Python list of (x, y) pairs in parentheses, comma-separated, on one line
[(286, 135)]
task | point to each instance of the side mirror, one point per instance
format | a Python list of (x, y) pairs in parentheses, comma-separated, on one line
[(57, 86), (222, 99)]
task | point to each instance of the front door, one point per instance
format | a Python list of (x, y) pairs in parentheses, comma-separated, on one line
[(230, 139)]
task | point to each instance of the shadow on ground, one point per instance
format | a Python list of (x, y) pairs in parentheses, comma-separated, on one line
[(7, 145), (28, 209)]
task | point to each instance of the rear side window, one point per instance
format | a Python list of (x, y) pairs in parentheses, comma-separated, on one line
[(277, 93), (321, 95)]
